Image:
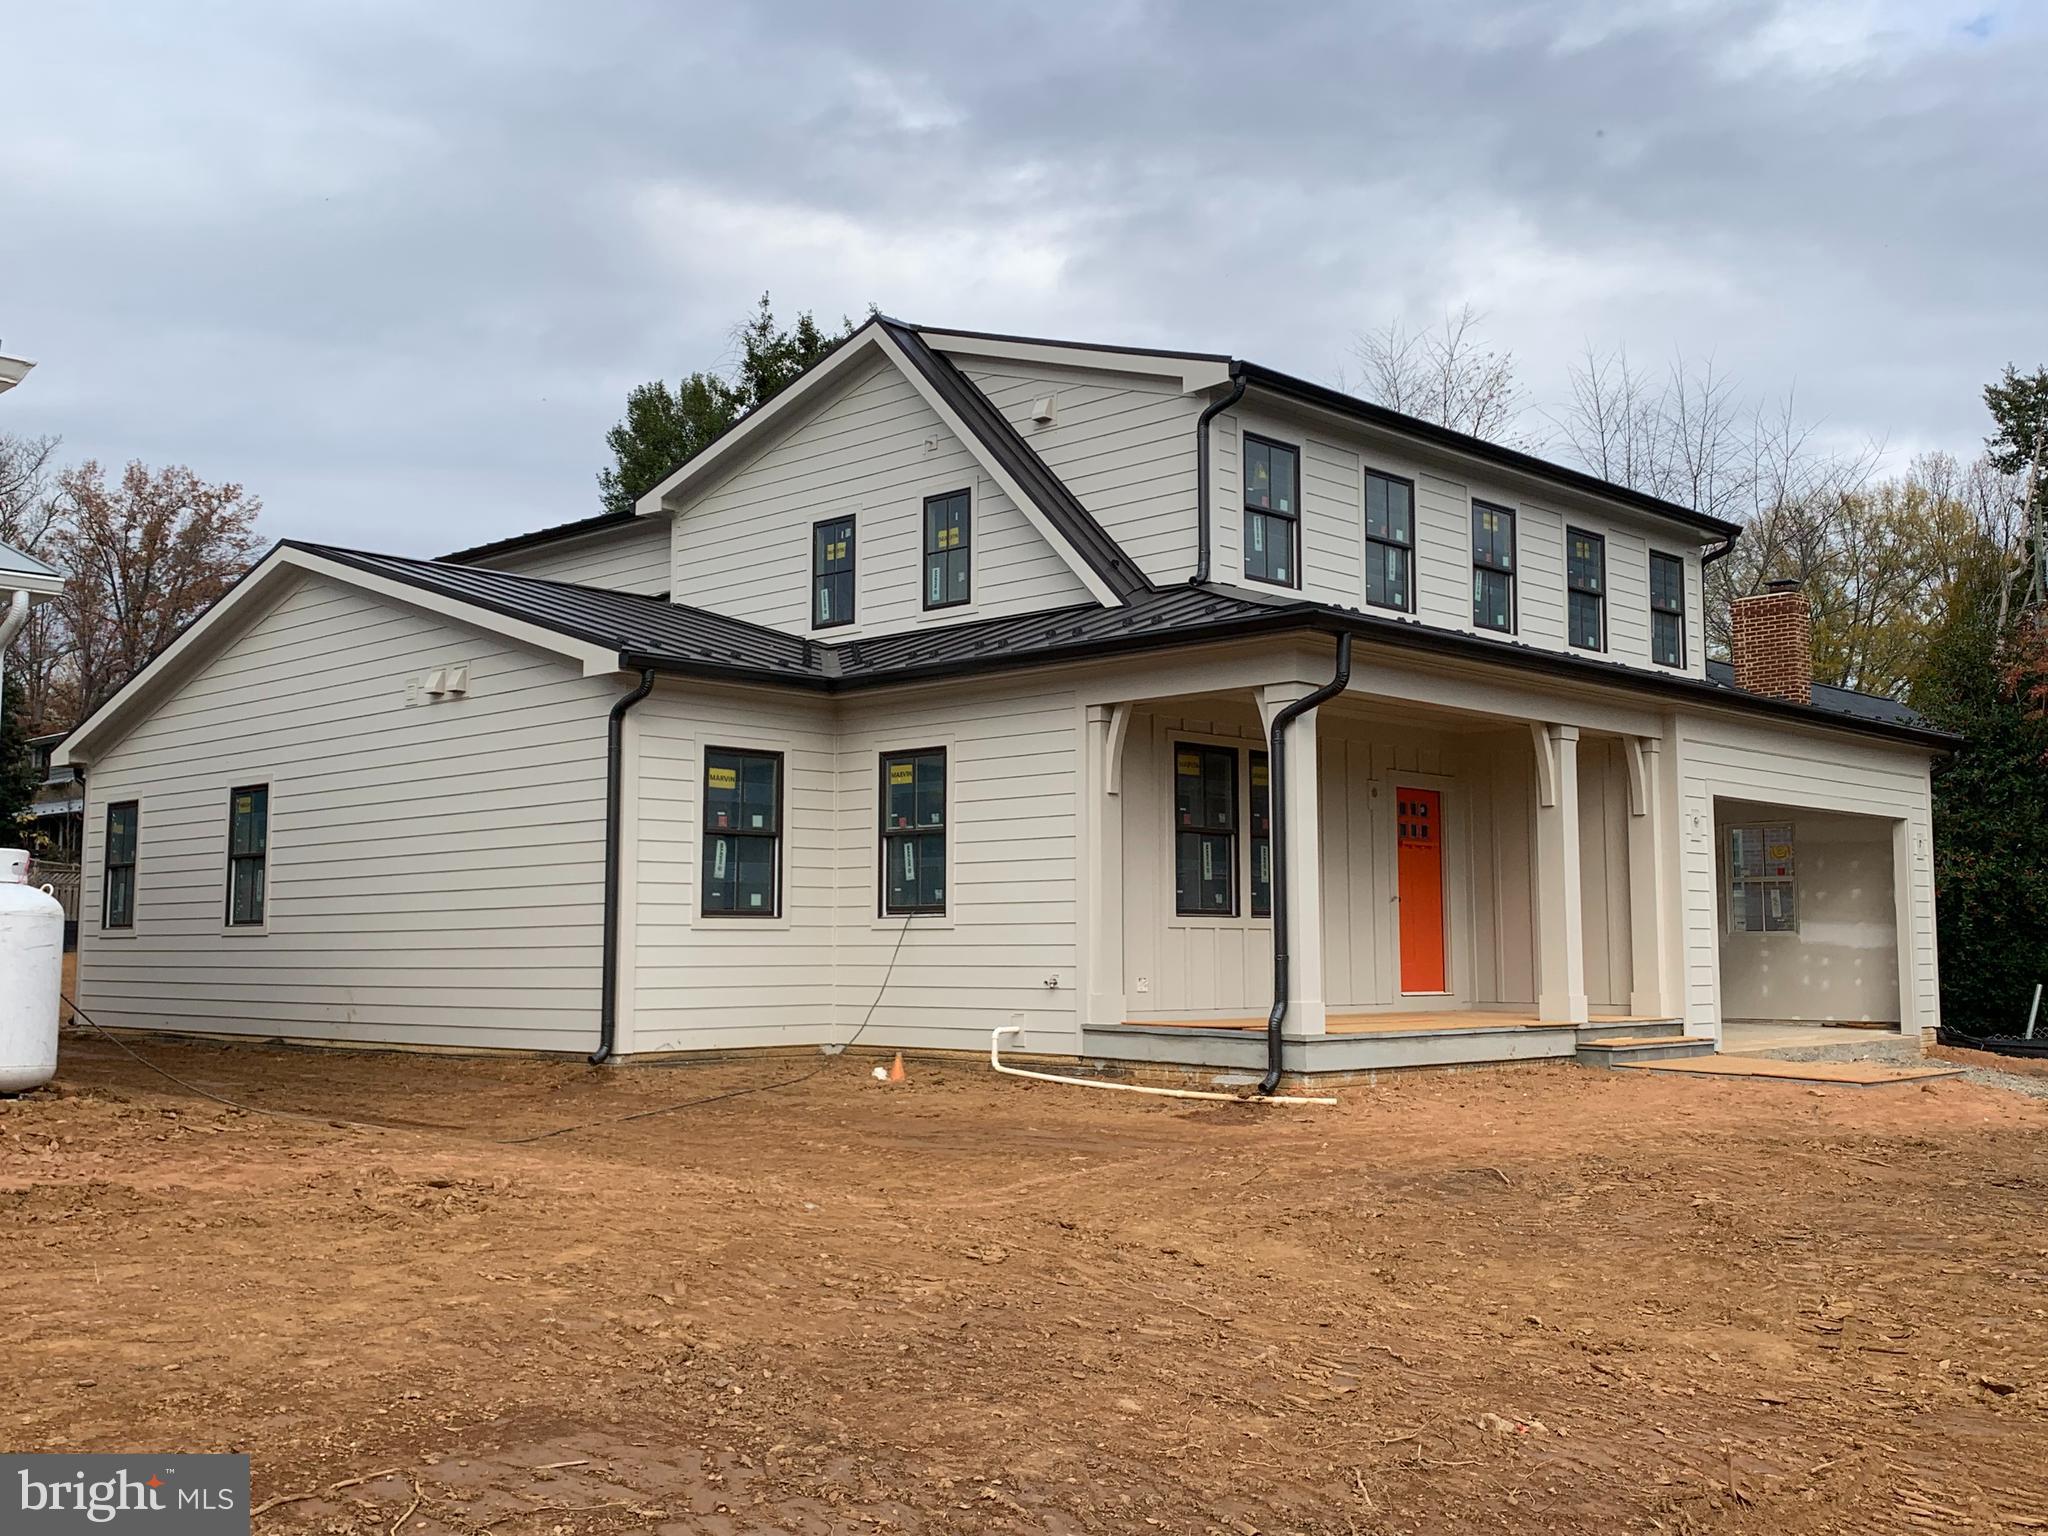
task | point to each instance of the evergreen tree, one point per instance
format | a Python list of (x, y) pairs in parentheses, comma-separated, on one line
[(664, 428), (17, 772)]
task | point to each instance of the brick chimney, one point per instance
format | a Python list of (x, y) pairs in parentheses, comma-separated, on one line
[(1772, 641)]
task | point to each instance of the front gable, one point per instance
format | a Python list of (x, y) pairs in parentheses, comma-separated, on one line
[(870, 441)]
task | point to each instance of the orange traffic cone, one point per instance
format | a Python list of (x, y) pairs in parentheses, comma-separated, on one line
[(896, 1069)]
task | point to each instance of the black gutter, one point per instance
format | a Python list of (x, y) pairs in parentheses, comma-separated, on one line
[(1719, 550), (1222, 404), (614, 815), (1276, 794)]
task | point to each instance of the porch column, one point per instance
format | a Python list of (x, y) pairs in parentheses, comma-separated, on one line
[(1103, 827), (1307, 1011), (1560, 922), (1652, 880)]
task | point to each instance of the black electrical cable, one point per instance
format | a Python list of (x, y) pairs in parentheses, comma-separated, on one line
[(888, 975)]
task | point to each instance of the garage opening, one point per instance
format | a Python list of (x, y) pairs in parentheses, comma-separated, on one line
[(1808, 915)]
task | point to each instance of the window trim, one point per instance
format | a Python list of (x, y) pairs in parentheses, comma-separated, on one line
[(851, 573), (1247, 510), (1369, 474), (924, 535), (1511, 571), (1570, 587), (886, 835), (706, 833), (260, 924), (1239, 784), (1678, 613), (108, 866)]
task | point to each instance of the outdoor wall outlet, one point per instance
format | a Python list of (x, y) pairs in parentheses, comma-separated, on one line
[(1144, 983)]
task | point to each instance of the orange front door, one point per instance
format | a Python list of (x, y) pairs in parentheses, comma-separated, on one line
[(1421, 815)]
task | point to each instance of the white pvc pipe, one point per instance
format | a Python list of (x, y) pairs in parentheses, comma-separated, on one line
[(995, 1041)]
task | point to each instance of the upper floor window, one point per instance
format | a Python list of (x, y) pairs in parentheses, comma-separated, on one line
[(947, 546), (248, 854), (1389, 541), (742, 832), (832, 572), (1272, 512), (1667, 610), (117, 908), (1585, 579), (1493, 567), (1204, 831), (914, 831)]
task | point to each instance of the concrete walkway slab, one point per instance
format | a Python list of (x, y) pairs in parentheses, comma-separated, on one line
[(1845, 1074)]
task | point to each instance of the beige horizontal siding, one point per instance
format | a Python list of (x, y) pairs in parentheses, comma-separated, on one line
[(435, 870), (631, 558)]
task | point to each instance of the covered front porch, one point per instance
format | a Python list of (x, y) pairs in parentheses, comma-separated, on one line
[(1465, 880)]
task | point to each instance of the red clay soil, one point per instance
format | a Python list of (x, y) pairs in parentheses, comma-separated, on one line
[(1538, 1299)]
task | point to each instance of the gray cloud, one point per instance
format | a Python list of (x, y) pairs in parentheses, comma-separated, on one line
[(394, 267)]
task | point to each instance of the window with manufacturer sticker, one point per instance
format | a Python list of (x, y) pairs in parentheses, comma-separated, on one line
[(1204, 830), (742, 833), (124, 821), (948, 550), (1272, 512), (914, 831), (1763, 895), (832, 571), (248, 855), (1667, 609)]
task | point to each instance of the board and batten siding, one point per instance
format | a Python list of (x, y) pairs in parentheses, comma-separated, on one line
[(1333, 466), (435, 869), (632, 557), (873, 450), (1723, 759), (1123, 443), (1004, 950)]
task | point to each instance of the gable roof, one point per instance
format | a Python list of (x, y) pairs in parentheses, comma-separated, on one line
[(1060, 519), (574, 528)]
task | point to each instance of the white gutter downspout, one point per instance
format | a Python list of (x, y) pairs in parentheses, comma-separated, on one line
[(995, 1041), (10, 626)]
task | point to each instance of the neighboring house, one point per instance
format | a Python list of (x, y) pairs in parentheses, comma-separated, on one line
[(58, 808), (24, 582), (938, 696)]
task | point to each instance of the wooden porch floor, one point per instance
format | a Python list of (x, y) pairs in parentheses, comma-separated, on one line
[(1395, 1023)]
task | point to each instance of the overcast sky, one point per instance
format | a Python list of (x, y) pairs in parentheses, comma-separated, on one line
[(394, 266)]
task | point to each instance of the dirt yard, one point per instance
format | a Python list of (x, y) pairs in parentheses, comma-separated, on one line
[(1544, 1299)]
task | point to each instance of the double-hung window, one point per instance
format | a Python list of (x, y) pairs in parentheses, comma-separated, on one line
[(1667, 610), (248, 854), (117, 905), (742, 832), (914, 831), (1389, 541), (1585, 579), (948, 543), (1272, 512), (1262, 837), (1204, 831), (1493, 567), (832, 572)]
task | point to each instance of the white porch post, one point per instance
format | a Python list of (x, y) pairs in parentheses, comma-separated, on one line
[(1104, 859), (1560, 922), (1307, 1010), (1652, 881)]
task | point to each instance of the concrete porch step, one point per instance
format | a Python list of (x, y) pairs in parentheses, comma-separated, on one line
[(1632, 1029), (1623, 1050)]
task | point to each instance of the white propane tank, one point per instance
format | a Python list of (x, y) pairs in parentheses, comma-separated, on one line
[(31, 974)]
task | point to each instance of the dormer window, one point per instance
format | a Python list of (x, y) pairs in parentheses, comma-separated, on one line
[(832, 572), (1493, 567), (1272, 512), (1389, 541), (1585, 573), (948, 534)]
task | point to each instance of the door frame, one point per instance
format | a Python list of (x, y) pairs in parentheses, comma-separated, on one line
[(1454, 829)]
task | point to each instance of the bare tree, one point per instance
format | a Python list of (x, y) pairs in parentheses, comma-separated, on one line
[(1448, 376), (31, 512)]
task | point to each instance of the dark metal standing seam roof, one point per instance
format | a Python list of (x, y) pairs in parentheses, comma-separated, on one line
[(1007, 447), (652, 632)]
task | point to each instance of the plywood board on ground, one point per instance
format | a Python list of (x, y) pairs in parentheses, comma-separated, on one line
[(1848, 1074)]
